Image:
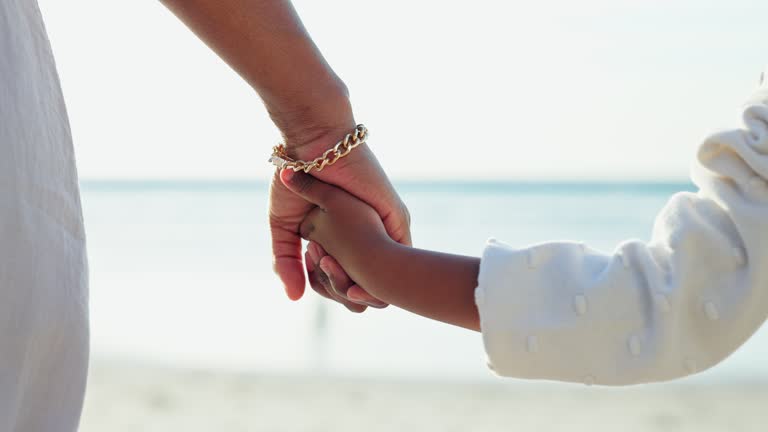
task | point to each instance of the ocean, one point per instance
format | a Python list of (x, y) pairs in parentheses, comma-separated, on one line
[(181, 275)]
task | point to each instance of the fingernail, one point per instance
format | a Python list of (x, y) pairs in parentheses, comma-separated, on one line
[(354, 298), (313, 255), (288, 174), (324, 267), (373, 305)]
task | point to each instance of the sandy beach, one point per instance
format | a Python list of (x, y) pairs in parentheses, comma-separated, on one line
[(207, 310), (123, 397)]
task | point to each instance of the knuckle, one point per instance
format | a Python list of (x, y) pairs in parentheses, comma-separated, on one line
[(406, 214)]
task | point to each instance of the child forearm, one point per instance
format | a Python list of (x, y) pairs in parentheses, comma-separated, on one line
[(432, 284)]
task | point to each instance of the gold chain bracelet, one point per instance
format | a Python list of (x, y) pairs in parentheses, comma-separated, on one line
[(342, 148)]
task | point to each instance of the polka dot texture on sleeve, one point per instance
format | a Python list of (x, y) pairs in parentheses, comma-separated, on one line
[(649, 311)]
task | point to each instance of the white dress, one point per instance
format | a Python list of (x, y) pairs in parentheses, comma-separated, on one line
[(43, 270), (651, 311)]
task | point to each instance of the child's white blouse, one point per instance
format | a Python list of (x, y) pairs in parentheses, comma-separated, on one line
[(652, 311)]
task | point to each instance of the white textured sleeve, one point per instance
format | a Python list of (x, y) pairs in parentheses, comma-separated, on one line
[(652, 311)]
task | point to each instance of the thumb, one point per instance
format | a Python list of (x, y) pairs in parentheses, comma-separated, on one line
[(307, 187), (286, 249)]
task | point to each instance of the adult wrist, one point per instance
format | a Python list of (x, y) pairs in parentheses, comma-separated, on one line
[(316, 124)]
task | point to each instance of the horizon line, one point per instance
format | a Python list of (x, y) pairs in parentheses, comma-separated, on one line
[(105, 182), (395, 179)]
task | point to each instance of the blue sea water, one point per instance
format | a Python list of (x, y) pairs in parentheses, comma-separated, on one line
[(181, 275)]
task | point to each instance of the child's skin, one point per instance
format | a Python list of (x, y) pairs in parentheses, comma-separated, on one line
[(432, 284)]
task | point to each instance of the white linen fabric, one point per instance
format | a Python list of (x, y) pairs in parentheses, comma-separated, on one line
[(43, 270), (653, 311)]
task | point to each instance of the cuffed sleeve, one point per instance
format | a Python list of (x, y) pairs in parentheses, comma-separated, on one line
[(650, 311)]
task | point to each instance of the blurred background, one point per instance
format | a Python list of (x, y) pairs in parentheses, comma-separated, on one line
[(551, 120)]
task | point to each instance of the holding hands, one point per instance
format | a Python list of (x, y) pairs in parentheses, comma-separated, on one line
[(361, 175), (265, 42), (352, 211), (432, 284), (350, 230)]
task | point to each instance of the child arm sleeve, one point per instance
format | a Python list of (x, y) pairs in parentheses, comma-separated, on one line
[(649, 311)]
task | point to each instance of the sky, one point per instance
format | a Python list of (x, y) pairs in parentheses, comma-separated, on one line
[(547, 90)]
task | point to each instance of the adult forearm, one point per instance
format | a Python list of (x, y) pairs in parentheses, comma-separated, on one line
[(266, 43), (409, 278)]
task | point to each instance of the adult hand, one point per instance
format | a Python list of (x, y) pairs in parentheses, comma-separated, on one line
[(360, 174), (266, 43)]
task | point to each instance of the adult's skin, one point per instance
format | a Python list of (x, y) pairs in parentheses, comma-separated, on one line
[(266, 43)]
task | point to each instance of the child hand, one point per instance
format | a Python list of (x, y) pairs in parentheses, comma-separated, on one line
[(347, 228), (432, 284), (328, 278)]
